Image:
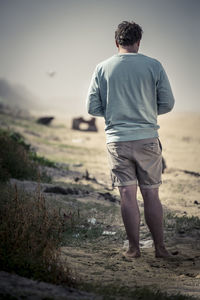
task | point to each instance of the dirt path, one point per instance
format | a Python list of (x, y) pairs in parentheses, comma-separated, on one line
[(107, 266), (101, 261)]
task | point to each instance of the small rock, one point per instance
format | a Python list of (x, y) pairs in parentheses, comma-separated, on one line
[(175, 252), (181, 231), (190, 259), (77, 140), (108, 196), (154, 266), (105, 232), (55, 190), (45, 120), (146, 244), (126, 244), (190, 274), (196, 202), (92, 221), (76, 235), (77, 165)]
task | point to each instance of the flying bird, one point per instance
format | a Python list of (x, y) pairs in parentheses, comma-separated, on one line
[(51, 73)]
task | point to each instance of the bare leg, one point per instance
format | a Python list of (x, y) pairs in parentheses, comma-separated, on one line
[(154, 218), (131, 218)]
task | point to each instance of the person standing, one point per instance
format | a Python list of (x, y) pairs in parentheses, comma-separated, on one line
[(130, 90)]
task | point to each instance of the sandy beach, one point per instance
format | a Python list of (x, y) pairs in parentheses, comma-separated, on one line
[(98, 259)]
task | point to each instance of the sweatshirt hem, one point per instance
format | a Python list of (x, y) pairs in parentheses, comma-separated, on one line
[(131, 136)]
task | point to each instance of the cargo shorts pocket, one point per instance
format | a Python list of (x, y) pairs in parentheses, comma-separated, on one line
[(153, 147)]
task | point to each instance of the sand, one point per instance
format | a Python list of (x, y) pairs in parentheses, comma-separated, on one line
[(100, 261)]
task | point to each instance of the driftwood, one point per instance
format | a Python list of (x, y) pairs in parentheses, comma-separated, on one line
[(45, 120), (76, 122)]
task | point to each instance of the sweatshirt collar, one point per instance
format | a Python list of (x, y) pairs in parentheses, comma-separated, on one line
[(127, 54)]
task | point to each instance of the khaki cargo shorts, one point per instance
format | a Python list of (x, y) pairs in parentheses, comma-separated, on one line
[(135, 162)]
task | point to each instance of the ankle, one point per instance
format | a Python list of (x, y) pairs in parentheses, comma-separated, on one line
[(133, 248), (160, 246)]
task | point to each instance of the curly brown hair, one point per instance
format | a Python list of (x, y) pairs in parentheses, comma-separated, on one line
[(128, 33)]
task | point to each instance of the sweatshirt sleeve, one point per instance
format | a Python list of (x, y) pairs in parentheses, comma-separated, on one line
[(93, 101), (165, 98)]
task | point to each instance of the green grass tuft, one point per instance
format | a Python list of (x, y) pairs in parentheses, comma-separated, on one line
[(18, 160), (42, 160)]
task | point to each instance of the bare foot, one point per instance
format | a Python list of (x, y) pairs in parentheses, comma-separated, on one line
[(161, 252), (132, 253)]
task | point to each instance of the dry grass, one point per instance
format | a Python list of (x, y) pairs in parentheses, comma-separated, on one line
[(17, 160), (30, 235)]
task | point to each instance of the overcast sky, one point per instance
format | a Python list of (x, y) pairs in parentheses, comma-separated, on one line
[(72, 36)]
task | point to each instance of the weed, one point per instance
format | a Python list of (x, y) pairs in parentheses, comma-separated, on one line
[(78, 228), (30, 237), (181, 223), (187, 223)]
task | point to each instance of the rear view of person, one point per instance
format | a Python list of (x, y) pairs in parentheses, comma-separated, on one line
[(130, 90)]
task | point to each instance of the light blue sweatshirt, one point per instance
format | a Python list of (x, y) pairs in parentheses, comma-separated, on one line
[(129, 91)]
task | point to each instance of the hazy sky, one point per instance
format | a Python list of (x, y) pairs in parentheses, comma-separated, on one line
[(72, 36)]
